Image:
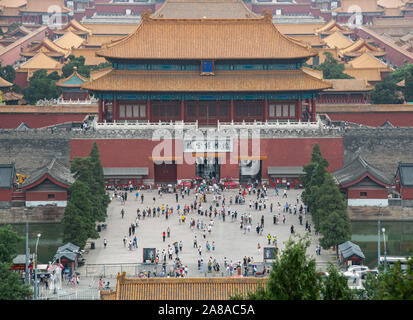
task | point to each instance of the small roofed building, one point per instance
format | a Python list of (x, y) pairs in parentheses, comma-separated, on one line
[(347, 91), (48, 185), (337, 40), (40, 61), (216, 288), (331, 27), (357, 11), (75, 27), (68, 255), (72, 87), (351, 254), (404, 183), (69, 41), (285, 176), (54, 13), (124, 177), (8, 96), (358, 48), (49, 48), (7, 181), (363, 184)]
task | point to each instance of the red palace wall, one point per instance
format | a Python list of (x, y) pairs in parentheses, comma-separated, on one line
[(400, 119), (6, 194), (395, 56), (407, 193), (43, 196), (371, 194), (278, 152), (12, 121)]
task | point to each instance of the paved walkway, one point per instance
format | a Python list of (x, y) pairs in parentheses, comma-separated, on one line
[(230, 240)]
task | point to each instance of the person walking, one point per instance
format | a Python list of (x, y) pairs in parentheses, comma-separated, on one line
[(259, 248), (163, 236), (269, 239), (168, 232), (105, 242)]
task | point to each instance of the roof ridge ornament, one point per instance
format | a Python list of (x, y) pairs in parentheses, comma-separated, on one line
[(146, 15), (267, 15)]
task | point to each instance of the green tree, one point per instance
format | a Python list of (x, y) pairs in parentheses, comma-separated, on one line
[(79, 64), (42, 86), (386, 92), (394, 284), (98, 186), (408, 86), (78, 221), (8, 73), (293, 276), (313, 176), (335, 286), (332, 69), (11, 285)]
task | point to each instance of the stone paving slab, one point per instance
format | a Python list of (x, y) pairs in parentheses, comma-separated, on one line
[(230, 241)]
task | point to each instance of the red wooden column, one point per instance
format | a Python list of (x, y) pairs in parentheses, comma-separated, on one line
[(148, 110), (100, 110), (182, 110), (299, 109), (313, 110), (265, 109), (115, 109), (231, 110)]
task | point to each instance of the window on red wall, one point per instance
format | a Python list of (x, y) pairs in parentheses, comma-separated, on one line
[(135, 111), (363, 194), (50, 196)]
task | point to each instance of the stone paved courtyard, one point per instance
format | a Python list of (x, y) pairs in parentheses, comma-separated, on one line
[(230, 240)]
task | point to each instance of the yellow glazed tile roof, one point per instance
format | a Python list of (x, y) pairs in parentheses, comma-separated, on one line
[(390, 3), (197, 9), (206, 39), (69, 41), (312, 40), (364, 5), (89, 54), (360, 46), (364, 74), (333, 26), (75, 27), (367, 60), (298, 28), (12, 3), (349, 85), (44, 5), (4, 83), (48, 47), (183, 288), (337, 40), (192, 81), (40, 61), (110, 29), (100, 40)]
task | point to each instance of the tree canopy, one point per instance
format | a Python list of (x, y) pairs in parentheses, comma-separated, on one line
[(42, 86), (88, 200), (11, 285), (332, 69)]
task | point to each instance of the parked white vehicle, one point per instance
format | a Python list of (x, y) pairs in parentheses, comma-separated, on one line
[(361, 271)]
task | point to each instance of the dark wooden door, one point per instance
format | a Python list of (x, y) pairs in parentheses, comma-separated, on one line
[(165, 173)]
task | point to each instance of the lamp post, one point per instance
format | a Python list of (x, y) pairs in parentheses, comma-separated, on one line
[(35, 267), (385, 252), (26, 275), (378, 236)]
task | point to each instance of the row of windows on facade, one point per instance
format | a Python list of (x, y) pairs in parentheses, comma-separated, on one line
[(138, 111)]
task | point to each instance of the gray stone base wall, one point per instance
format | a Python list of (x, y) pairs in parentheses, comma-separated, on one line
[(41, 214)]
